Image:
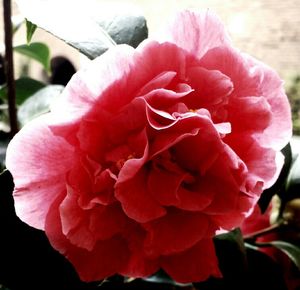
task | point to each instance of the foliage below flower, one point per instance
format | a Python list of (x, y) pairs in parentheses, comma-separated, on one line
[(151, 151)]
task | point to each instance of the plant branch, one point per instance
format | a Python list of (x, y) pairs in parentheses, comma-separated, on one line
[(9, 68), (264, 231)]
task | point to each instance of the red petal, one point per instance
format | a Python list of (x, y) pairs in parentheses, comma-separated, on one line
[(175, 232), (105, 259), (194, 265), (136, 201)]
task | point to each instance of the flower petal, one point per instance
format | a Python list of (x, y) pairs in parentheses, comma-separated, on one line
[(135, 199), (196, 264), (139, 265), (196, 32), (164, 238), (105, 259), (40, 173)]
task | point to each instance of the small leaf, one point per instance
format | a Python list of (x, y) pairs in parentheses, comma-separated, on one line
[(38, 51), (30, 29), (25, 87), (279, 186), (39, 103), (231, 253), (291, 250)]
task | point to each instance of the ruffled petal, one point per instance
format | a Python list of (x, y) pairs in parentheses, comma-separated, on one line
[(164, 238), (278, 134), (196, 264), (136, 201), (196, 32), (38, 162), (105, 259), (139, 264)]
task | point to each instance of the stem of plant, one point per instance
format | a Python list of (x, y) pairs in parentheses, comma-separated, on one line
[(9, 68), (264, 231)]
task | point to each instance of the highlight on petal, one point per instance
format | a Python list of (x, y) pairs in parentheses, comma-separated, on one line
[(38, 161), (196, 32)]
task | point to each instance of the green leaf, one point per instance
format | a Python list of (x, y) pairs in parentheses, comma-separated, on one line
[(291, 250), (123, 23), (39, 103), (162, 277), (90, 29), (25, 87), (30, 29), (72, 26), (231, 253), (279, 186), (38, 51), (293, 184), (4, 140)]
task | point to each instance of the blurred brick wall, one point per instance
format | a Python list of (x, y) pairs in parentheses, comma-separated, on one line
[(267, 29)]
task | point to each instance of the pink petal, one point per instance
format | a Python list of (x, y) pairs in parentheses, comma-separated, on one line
[(250, 151), (139, 265), (107, 257), (211, 88), (164, 238), (107, 221), (163, 184), (195, 197), (194, 265), (132, 166), (279, 132), (250, 114), (252, 78), (171, 186), (158, 82), (136, 201), (40, 173), (92, 84), (196, 32)]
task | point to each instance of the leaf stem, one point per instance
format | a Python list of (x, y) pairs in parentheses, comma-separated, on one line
[(9, 67), (264, 231)]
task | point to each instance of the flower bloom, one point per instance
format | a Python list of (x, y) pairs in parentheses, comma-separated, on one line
[(151, 151)]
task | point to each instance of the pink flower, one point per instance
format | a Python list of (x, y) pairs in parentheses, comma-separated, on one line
[(152, 150)]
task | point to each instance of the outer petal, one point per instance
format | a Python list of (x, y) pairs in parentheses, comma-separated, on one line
[(40, 173), (196, 264), (139, 265), (176, 232), (196, 32), (278, 134), (107, 257), (252, 78), (92, 84)]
